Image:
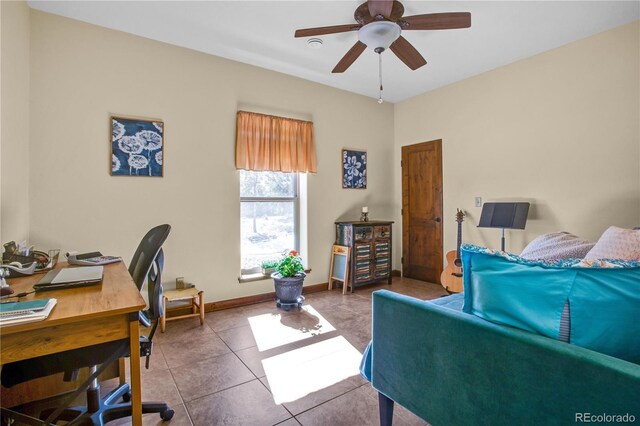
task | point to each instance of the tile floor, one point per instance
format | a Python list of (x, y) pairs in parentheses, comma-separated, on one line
[(258, 365)]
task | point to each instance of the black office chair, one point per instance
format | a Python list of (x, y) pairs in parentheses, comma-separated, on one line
[(140, 268), (148, 248), (149, 257)]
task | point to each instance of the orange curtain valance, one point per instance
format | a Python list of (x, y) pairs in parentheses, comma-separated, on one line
[(278, 144)]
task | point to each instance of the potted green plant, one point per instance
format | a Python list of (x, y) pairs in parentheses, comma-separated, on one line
[(288, 280), (268, 266)]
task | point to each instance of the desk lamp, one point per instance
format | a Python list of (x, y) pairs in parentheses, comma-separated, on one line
[(504, 216)]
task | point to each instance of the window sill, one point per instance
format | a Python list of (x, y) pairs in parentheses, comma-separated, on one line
[(258, 276)]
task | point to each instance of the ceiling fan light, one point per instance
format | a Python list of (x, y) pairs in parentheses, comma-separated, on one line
[(379, 34)]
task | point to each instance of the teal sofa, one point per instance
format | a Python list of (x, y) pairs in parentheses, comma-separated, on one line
[(451, 368)]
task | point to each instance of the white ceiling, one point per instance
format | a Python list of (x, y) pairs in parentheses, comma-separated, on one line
[(261, 33)]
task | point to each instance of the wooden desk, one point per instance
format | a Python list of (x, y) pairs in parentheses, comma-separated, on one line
[(83, 316)]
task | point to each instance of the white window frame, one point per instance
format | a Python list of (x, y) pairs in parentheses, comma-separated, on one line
[(295, 199)]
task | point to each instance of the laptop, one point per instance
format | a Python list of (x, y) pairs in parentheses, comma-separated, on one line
[(70, 278)]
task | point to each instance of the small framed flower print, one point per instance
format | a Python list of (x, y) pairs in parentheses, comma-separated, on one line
[(354, 169), (137, 147)]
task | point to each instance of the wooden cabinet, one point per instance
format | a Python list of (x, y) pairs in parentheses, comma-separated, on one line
[(370, 244)]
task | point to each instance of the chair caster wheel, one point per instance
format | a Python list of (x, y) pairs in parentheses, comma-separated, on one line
[(126, 397), (167, 414)]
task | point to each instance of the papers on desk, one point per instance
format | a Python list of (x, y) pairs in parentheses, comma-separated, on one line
[(23, 312)]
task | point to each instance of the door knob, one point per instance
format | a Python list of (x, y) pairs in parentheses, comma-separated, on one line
[(437, 219)]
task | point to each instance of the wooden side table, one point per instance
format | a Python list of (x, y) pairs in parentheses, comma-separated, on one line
[(197, 304)]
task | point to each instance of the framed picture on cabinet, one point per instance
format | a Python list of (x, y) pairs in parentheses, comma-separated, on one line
[(137, 147), (354, 169)]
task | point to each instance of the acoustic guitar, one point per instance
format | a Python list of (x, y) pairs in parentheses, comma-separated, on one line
[(451, 278)]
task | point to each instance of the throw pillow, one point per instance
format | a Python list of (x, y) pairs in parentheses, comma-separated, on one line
[(556, 246), (604, 297), (617, 243)]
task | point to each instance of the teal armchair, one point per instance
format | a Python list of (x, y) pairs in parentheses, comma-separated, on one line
[(451, 368)]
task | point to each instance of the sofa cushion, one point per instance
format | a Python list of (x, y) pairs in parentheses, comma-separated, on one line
[(556, 246), (617, 243), (604, 298), (453, 301)]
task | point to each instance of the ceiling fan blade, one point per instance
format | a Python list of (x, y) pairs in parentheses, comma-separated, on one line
[(437, 21), (407, 53), (380, 7), (350, 57), (309, 32)]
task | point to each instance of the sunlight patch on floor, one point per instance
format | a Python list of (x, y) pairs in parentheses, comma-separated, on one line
[(300, 372), (273, 330)]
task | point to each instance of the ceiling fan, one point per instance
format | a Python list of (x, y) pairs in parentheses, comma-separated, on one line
[(379, 24)]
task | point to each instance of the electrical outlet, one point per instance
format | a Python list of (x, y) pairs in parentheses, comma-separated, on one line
[(478, 201)]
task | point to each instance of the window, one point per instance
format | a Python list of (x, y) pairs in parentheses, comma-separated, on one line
[(269, 216)]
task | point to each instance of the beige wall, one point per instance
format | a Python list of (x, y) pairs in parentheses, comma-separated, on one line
[(80, 74), (560, 129), (14, 121)]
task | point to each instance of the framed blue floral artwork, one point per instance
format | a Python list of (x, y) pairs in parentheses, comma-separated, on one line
[(137, 147), (354, 169)]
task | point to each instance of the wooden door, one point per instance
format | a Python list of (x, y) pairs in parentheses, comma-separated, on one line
[(422, 211)]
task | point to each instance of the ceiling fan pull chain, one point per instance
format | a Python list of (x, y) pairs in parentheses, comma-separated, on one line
[(380, 75)]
